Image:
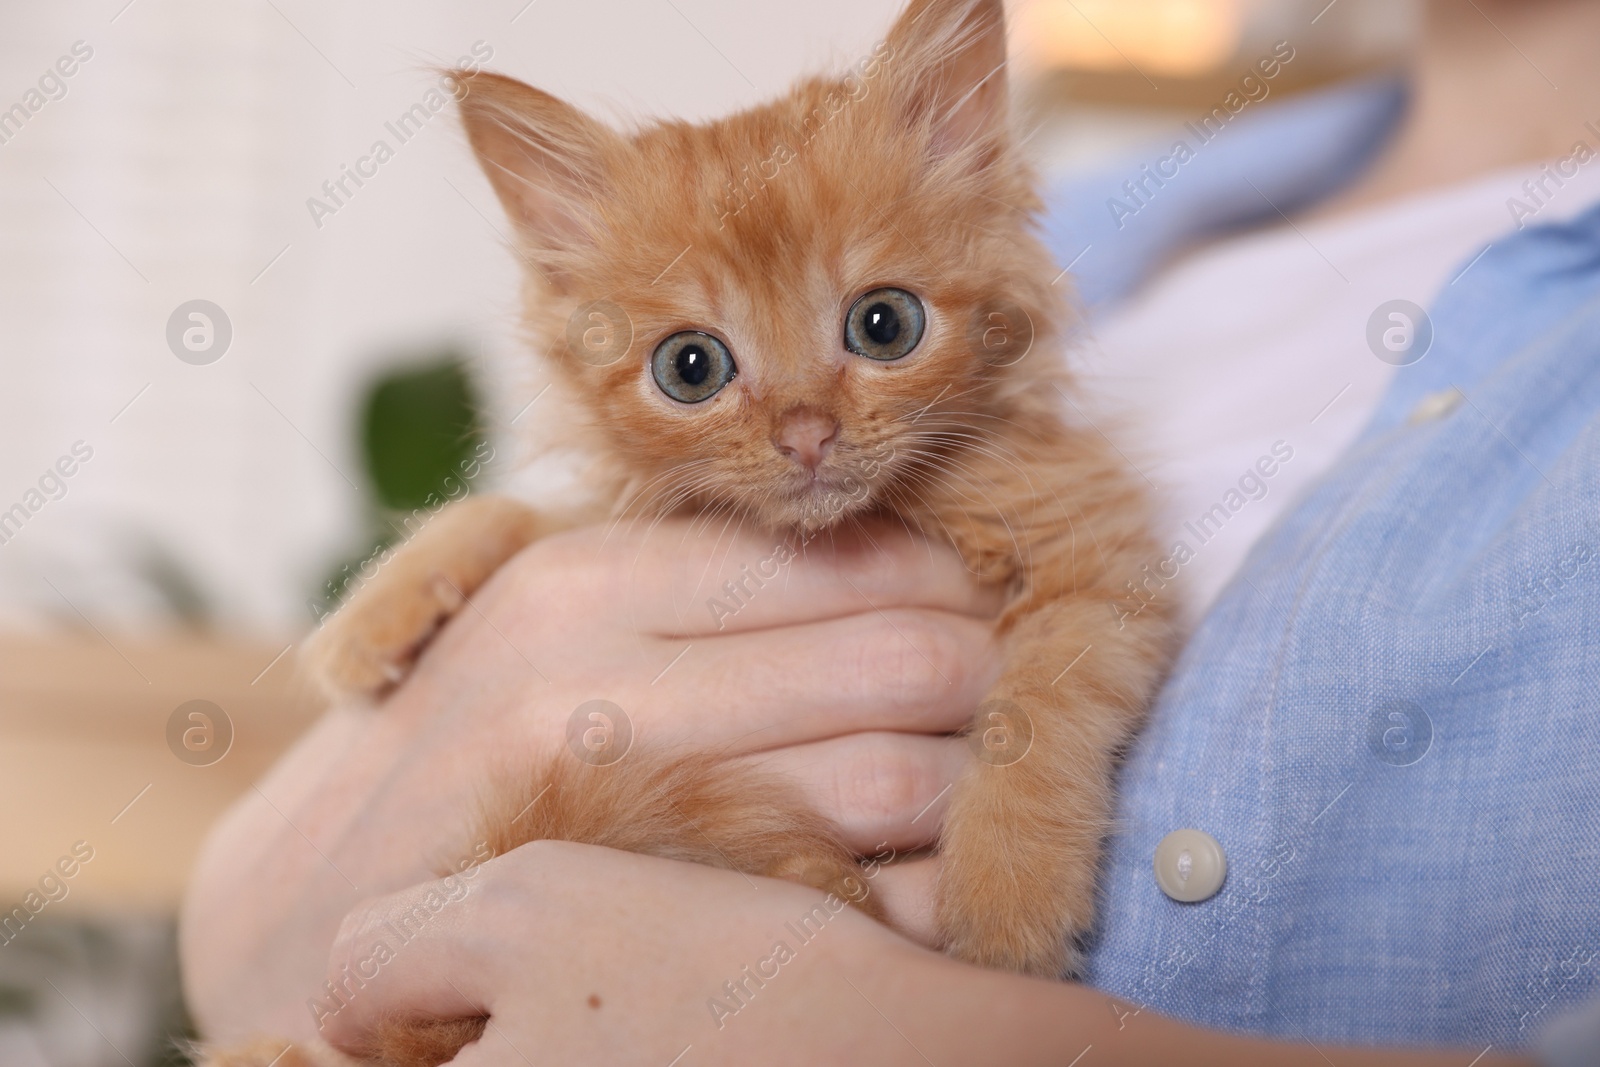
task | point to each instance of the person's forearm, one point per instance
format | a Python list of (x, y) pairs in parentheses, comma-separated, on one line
[(957, 1014)]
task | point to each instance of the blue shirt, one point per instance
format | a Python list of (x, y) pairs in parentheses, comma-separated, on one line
[(1390, 720)]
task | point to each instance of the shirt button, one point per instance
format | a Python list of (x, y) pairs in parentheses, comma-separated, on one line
[(1435, 406), (1190, 865)]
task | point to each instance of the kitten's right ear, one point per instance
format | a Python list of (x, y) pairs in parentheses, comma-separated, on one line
[(546, 161)]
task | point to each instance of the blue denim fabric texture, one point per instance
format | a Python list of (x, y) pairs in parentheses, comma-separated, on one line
[(1276, 157), (1391, 717)]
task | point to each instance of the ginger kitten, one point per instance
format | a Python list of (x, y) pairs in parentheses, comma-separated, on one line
[(836, 307)]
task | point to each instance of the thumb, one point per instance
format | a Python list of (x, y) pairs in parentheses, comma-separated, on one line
[(403, 972)]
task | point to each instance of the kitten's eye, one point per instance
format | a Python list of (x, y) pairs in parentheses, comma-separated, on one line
[(692, 366), (885, 324)]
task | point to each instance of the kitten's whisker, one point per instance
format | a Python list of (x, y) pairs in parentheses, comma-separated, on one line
[(933, 513), (951, 456), (918, 413), (978, 494), (641, 495), (924, 409), (990, 446)]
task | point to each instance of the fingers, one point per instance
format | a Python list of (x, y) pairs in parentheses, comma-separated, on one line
[(685, 579), (414, 952), (883, 790), (904, 670), (842, 573), (888, 794)]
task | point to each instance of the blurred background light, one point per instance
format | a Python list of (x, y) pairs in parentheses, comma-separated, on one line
[(1182, 37)]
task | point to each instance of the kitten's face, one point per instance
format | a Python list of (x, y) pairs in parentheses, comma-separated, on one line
[(799, 311)]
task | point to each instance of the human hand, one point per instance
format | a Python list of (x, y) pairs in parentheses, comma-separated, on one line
[(579, 954), (845, 672)]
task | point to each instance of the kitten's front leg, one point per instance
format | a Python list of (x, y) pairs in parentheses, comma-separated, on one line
[(1022, 839), (369, 644)]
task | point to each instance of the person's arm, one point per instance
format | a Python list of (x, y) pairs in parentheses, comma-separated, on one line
[(845, 669), (580, 954)]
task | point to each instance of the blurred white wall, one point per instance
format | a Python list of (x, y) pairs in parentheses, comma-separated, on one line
[(177, 166)]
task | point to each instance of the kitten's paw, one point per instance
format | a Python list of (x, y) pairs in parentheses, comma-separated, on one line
[(369, 645), (1004, 931)]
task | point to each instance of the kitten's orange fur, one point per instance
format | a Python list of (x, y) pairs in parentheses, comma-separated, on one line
[(914, 182)]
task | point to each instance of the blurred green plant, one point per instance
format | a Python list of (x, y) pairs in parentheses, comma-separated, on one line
[(179, 588), (420, 427), (16, 1001)]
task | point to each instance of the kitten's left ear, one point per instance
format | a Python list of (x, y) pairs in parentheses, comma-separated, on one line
[(949, 59)]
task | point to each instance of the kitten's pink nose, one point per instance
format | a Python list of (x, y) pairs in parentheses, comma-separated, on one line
[(806, 436)]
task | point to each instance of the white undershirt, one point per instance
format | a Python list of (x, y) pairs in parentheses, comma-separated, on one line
[(1262, 338)]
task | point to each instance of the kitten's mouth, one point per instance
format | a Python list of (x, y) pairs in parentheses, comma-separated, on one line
[(809, 485), (817, 499)]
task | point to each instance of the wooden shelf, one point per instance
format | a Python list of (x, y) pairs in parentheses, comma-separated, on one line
[(83, 732)]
